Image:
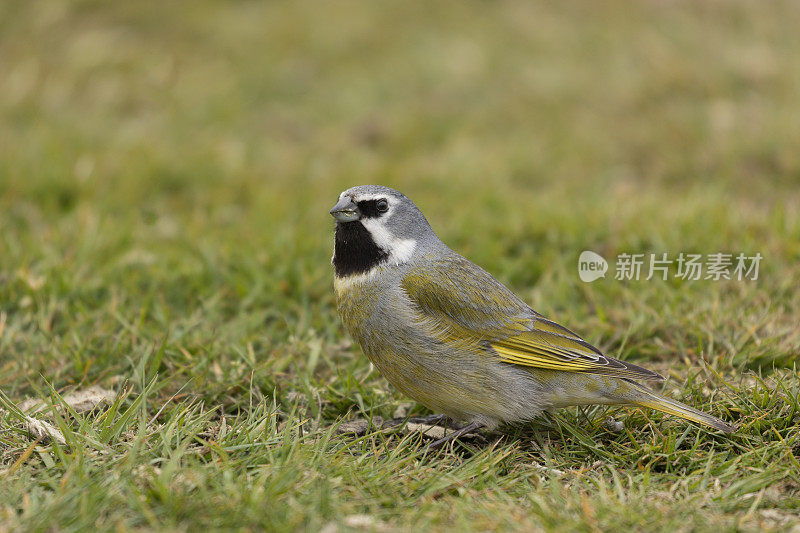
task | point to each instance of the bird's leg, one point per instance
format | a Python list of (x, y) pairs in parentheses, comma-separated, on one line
[(435, 445), (431, 420)]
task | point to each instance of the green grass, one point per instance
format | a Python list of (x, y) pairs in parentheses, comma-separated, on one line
[(166, 171)]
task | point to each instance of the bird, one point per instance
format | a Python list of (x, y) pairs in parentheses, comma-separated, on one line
[(453, 338)]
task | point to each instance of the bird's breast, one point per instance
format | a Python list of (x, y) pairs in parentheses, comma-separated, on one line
[(357, 300)]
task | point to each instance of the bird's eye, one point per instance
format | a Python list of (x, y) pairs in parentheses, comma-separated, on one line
[(382, 205)]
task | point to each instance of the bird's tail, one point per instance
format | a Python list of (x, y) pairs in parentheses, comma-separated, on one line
[(654, 400)]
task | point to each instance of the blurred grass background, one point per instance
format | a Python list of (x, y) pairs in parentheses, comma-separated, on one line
[(166, 170)]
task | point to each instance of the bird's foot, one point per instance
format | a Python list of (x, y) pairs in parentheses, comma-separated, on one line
[(469, 428), (430, 420)]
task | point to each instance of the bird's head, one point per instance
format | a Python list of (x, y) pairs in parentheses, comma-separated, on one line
[(377, 225)]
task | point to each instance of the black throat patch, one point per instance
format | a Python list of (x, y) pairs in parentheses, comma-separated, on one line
[(354, 251)]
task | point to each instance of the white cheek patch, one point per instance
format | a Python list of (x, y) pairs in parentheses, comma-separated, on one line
[(400, 250), (403, 250)]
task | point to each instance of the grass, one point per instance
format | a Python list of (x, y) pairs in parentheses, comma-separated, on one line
[(165, 178)]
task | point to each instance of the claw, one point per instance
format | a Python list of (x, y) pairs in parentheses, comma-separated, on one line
[(435, 445)]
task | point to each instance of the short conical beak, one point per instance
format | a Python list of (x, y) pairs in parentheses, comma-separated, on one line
[(345, 210)]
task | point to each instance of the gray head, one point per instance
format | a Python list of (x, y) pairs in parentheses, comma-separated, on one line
[(376, 225)]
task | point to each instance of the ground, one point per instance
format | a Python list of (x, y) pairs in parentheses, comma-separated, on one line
[(166, 174)]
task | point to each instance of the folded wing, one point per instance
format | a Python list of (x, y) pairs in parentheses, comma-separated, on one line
[(464, 298)]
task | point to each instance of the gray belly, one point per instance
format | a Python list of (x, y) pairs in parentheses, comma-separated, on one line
[(457, 377)]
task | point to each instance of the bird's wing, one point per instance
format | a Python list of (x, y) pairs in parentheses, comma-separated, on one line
[(461, 296), (468, 302), (545, 349)]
